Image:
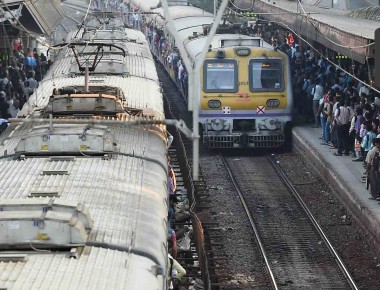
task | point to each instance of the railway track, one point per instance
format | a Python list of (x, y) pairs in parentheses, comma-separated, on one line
[(297, 253)]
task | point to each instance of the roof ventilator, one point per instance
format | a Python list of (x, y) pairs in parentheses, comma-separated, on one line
[(47, 223), (13, 258), (55, 172), (64, 139), (44, 194)]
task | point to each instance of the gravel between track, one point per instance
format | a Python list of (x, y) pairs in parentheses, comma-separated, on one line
[(244, 269), (351, 242)]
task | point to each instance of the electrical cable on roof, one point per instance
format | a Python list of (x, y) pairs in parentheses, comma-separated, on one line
[(35, 249), (299, 2)]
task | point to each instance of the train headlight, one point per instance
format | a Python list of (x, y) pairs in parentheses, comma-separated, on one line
[(220, 54), (243, 51), (269, 124), (217, 124), (273, 103), (213, 104)]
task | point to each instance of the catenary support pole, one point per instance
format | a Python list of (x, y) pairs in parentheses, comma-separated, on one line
[(194, 85)]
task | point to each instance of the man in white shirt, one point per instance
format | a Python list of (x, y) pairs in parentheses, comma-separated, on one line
[(363, 90), (317, 95), (14, 108), (343, 116), (30, 85)]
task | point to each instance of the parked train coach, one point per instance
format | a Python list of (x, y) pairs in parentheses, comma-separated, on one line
[(245, 95), (83, 189)]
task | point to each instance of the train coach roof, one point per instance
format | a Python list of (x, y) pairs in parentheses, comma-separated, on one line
[(145, 5), (190, 23), (124, 199), (140, 86), (178, 12), (98, 268)]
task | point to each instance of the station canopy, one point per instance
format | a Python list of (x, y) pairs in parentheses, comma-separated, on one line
[(38, 16)]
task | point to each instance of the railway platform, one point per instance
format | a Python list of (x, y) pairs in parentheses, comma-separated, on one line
[(343, 175)]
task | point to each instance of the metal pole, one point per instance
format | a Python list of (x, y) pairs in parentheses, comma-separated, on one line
[(194, 86), (190, 89), (215, 6), (197, 88), (86, 76)]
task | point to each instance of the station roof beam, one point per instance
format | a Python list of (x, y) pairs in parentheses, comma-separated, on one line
[(37, 16)]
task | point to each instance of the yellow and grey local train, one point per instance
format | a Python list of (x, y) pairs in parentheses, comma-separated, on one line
[(246, 98), (245, 94)]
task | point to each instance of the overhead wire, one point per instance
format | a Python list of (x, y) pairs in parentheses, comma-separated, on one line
[(311, 46), (304, 12), (84, 18), (325, 37), (326, 58), (243, 9), (342, 46)]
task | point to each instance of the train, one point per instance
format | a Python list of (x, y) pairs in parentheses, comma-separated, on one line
[(83, 175), (245, 95)]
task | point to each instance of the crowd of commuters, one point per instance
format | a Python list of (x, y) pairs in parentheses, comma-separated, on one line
[(20, 73), (340, 101)]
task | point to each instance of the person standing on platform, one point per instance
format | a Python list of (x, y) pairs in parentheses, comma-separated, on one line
[(317, 94), (358, 139), (373, 161), (368, 139), (343, 117)]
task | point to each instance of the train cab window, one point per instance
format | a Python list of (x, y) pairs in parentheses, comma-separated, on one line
[(266, 75), (220, 76)]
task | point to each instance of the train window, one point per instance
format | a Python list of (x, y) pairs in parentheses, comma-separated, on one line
[(266, 75), (220, 76)]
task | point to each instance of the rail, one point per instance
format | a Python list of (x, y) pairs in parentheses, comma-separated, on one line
[(253, 225), (294, 191)]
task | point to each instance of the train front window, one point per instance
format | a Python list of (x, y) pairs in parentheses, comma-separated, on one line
[(220, 76), (266, 75)]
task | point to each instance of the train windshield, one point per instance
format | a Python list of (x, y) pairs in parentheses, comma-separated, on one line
[(266, 75), (220, 76)]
